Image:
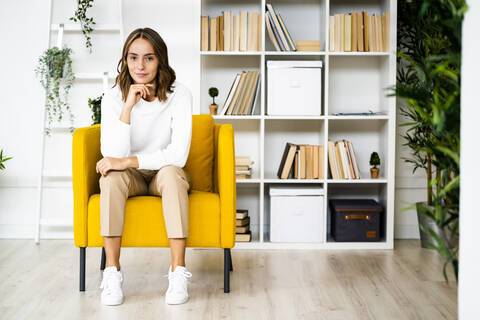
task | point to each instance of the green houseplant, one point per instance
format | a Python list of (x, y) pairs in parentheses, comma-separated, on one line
[(374, 162), (3, 160), (95, 106), (428, 81), (80, 15), (55, 68), (213, 92)]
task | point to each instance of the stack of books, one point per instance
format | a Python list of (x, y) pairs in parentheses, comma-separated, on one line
[(358, 31), (243, 233), (277, 30), (342, 160), (229, 32), (243, 167), (301, 161), (243, 94)]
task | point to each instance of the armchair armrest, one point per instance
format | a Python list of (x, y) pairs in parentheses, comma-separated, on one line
[(85, 180), (226, 182)]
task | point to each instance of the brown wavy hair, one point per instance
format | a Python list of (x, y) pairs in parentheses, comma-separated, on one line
[(165, 74)]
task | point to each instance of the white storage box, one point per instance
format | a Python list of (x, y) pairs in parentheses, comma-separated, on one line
[(296, 214), (294, 88)]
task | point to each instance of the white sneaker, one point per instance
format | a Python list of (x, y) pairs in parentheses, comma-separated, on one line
[(177, 285), (112, 287)]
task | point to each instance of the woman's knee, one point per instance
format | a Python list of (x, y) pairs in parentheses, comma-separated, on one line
[(115, 177)]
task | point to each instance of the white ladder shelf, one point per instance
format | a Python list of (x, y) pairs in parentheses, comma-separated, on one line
[(103, 76)]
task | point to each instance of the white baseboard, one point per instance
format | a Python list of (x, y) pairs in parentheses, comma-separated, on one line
[(27, 231)]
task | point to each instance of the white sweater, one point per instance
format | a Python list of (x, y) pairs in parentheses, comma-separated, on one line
[(159, 133)]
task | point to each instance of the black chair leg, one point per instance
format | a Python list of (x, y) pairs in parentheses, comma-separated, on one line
[(82, 268), (226, 270), (230, 258), (102, 264)]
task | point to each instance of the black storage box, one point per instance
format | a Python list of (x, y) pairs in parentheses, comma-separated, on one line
[(356, 220)]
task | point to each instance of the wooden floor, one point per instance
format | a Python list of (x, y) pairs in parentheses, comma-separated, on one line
[(41, 282)]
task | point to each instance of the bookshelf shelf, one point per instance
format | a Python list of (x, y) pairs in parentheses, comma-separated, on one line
[(351, 82)]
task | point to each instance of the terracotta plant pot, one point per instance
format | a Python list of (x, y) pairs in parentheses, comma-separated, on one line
[(374, 173), (213, 109)]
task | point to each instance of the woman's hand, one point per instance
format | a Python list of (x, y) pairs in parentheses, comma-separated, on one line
[(136, 92), (108, 163)]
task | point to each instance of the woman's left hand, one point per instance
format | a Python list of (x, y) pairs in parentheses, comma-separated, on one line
[(108, 163)]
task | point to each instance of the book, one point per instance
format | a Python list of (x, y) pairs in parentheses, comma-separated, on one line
[(243, 31), (227, 41), (242, 222), (320, 162), (308, 45), (308, 161), (355, 162), (348, 32), (285, 31), (271, 35), (243, 161), (213, 34), (230, 94), (243, 237), (366, 19), (236, 95), (205, 31), (287, 160), (331, 33), (242, 213), (240, 230), (275, 32), (276, 23)]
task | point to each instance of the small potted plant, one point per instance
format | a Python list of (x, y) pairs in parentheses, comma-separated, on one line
[(55, 72), (374, 162), (2, 160), (95, 105), (213, 92)]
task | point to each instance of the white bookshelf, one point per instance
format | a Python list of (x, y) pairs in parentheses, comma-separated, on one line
[(352, 81)]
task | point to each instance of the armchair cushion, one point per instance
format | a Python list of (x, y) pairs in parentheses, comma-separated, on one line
[(200, 158)]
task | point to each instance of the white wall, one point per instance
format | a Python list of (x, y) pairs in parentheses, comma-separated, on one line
[(23, 98)]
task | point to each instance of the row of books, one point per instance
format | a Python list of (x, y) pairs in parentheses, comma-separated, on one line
[(358, 31), (242, 226), (243, 94), (229, 32), (301, 161), (277, 30), (243, 167), (342, 160)]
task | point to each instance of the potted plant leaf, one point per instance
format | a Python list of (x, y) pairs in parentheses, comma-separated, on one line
[(428, 81), (3, 160), (95, 106), (54, 69), (374, 162), (80, 15), (213, 92)]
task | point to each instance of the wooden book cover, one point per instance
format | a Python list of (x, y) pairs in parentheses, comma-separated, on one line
[(354, 32), (342, 32), (243, 93), (243, 31), (237, 93), (315, 162), (277, 26), (360, 31), (365, 31), (240, 230), (387, 31), (247, 106), (221, 33), (321, 163), (339, 161), (338, 32), (309, 170), (331, 33), (302, 161), (204, 25), (243, 222), (226, 31), (271, 35), (331, 160), (213, 34), (348, 33)]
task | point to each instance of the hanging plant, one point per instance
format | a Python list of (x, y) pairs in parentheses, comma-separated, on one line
[(86, 23), (54, 67), (95, 106)]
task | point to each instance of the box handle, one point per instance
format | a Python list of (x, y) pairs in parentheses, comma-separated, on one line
[(357, 216)]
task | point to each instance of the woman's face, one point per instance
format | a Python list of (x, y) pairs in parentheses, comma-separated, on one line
[(142, 62)]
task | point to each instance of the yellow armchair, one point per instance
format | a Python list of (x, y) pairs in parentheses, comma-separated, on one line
[(212, 199)]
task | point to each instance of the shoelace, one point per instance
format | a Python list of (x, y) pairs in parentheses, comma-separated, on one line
[(178, 277), (108, 285)]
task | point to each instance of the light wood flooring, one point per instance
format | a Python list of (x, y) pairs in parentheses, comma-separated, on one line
[(41, 282)]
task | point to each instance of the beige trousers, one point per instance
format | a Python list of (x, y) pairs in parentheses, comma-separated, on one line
[(172, 183)]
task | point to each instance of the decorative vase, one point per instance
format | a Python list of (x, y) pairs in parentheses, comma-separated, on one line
[(213, 109), (374, 173)]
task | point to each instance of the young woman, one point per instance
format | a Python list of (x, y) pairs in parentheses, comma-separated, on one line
[(146, 128)]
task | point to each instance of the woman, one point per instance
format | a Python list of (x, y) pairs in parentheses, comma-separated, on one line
[(145, 139)]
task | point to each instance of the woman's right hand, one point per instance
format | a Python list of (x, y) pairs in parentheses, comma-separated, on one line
[(136, 92)]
